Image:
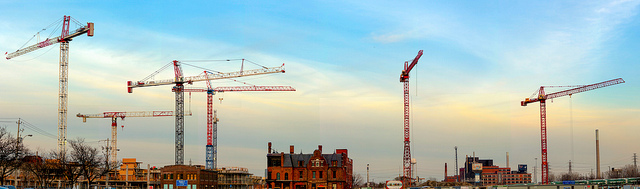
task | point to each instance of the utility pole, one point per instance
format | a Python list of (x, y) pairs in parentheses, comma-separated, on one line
[(635, 160), (18, 137), (148, 172), (535, 171), (108, 164), (569, 166), (18, 147)]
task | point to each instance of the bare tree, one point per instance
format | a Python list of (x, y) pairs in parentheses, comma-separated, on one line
[(68, 170), (87, 159), (630, 171), (357, 180), (108, 165), (11, 154), (44, 169)]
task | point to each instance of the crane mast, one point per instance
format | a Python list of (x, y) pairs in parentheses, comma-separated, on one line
[(542, 98), (114, 123), (211, 154), (178, 89), (406, 159), (63, 77)]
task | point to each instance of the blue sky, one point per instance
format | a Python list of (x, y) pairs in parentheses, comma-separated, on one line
[(481, 58)]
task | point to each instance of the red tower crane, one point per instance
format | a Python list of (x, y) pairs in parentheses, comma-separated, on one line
[(211, 155), (406, 159), (179, 81), (114, 123), (542, 98), (64, 40)]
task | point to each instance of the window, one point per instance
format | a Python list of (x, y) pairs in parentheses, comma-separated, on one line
[(277, 176), (301, 174), (320, 174), (300, 163), (334, 186), (314, 174), (286, 176), (269, 175), (274, 161), (171, 175), (334, 174), (334, 163), (164, 176)]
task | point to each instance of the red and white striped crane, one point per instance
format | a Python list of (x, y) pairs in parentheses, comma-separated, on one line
[(211, 154), (406, 158), (114, 123), (64, 40), (542, 98), (179, 81)]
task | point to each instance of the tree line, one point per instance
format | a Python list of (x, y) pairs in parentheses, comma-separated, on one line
[(81, 162)]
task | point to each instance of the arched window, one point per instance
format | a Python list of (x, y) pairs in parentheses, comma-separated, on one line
[(277, 176), (286, 176)]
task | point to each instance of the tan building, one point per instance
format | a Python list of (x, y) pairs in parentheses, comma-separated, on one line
[(235, 178)]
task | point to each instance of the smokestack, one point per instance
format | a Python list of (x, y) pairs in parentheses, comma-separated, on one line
[(291, 149), (269, 151), (445, 171), (598, 155), (320, 148), (457, 173), (507, 159)]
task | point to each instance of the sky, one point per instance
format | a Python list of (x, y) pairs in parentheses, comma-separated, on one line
[(481, 58)]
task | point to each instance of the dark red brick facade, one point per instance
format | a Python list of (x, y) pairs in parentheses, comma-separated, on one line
[(309, 171)]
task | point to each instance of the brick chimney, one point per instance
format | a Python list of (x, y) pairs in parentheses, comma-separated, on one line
[(268, 152), (445, 171), (320, 148), (291, 149)]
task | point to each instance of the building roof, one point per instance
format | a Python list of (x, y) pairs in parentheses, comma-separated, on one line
[(291, 160)]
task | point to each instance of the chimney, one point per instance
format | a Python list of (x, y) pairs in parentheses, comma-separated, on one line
[(598, 176), (291, 149), (445, 171), (320, 148), (268, 152), (507, 159)]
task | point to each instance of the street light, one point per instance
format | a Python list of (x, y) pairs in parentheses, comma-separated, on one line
[(22, 138)]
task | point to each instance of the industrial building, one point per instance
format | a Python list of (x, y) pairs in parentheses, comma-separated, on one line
[(309, 171), (484, 172)]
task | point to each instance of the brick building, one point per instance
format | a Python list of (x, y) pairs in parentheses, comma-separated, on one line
[(309, 171), (489, 174), (193, 176)]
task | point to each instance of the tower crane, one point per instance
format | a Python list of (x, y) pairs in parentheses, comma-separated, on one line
[(211, 155), (114, 123), (64, 40), (178, 89), (542, 98), (406, 159)]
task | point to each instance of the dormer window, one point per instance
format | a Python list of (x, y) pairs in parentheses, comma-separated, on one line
[(316, 163)]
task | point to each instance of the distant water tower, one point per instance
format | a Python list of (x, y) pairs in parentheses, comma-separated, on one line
[(414, 169)]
